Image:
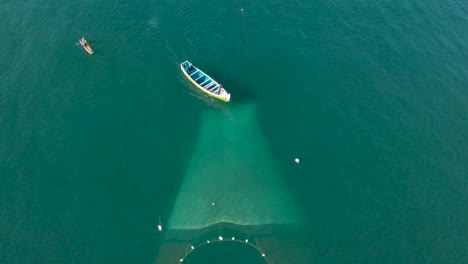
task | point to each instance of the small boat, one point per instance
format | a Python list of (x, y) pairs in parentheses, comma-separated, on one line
[(86, 46), (204, 82)]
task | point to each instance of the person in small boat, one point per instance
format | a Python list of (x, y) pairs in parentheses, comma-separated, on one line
[(220, 88)]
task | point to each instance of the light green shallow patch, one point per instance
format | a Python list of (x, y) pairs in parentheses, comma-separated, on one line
[(233, 167)]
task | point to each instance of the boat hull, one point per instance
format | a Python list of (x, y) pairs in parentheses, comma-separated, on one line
[(226, 97), (88, 49), (86, 46)]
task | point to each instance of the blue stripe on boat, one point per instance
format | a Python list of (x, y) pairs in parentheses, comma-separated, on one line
[(208, 86), (201, 80), (194, 73), (191, 70), (213, 88), (201, 75), (208, 81)]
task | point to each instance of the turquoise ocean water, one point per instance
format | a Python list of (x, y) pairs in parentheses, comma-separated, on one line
[(371, 96)]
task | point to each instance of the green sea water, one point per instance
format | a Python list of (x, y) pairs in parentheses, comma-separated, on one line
[(371, 96)]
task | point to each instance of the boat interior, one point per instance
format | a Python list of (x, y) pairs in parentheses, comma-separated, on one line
[(199, 77)]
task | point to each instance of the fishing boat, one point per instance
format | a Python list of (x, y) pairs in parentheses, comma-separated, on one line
[(86, 46), (204, 82)]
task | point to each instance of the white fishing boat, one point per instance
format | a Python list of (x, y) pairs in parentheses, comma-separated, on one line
[(86, 46), (204, 82)]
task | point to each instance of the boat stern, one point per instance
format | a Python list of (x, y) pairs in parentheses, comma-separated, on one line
[(224, 96)]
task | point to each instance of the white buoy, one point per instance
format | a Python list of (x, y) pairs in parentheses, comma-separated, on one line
[(233, 238), (242, 9), (212, 203), (192, 247), (181, 260), (220, 238), (263, 255), (246, 241), (160, 224), (297, 160)]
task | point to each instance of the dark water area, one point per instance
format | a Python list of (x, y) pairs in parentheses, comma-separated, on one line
[(370, 95)]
